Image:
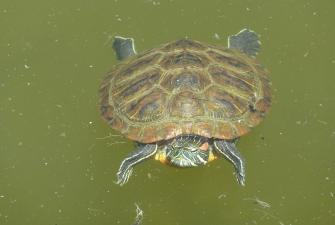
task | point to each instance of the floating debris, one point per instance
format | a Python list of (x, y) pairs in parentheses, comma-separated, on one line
[(322, 122), (113, 142), (264, 208), (267, 215), (259, 202), (116, 142), (223, 195), (139, 216), (109, 136)]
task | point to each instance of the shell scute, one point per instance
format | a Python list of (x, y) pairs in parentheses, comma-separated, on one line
[(231, 80), (141, 83), (183, 59), (135, 66), (186, 87), (148, 107), (185, 78), (224, 130), (224, 104), (184, 44), (186, 105), (228, 59)]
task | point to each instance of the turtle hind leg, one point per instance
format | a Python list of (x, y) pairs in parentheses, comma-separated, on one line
[(142, 152), (246, 41), (124, 47), (229, 151)]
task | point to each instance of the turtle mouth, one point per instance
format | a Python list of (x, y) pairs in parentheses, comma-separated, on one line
[(186, 151), (187, 157)]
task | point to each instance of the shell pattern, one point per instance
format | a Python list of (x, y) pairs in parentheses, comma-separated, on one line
[(185, 87)]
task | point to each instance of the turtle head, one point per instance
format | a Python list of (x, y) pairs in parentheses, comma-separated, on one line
[(185, 151)]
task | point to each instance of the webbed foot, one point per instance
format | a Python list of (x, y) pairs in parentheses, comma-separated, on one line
[(246, 41), (124, 47)]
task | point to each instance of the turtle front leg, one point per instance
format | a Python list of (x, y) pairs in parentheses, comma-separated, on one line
[(229, 151), (142, 152)]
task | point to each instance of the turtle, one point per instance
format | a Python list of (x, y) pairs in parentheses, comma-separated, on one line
[(186, 103)]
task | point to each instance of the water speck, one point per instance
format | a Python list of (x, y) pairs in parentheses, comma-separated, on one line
[(259, 202), (117, 17), (322, 122), (217, 36), (223, 195)]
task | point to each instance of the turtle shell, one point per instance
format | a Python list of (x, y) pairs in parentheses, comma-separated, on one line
[(185, 87)]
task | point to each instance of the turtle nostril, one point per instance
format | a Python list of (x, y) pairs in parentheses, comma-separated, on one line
[(252, 108)]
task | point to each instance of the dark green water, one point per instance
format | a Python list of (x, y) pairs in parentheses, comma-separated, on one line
[(58, 159)]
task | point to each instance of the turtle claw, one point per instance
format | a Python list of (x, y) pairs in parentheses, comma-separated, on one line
[(123, 176), (240, 178)]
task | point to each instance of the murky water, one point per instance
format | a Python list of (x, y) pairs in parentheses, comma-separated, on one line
[(58, 159)]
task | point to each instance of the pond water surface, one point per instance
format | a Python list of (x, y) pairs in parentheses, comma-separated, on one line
[(58, 158)]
